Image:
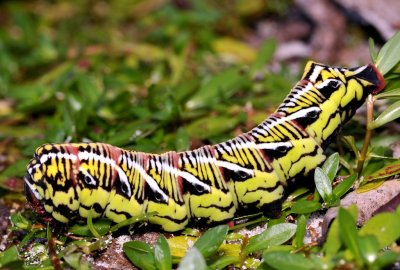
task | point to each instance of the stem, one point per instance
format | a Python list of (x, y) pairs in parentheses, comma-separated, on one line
[(55, 260), (368, 135)]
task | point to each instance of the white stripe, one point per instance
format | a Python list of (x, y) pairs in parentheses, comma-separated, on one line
[(86, 155), (273, 145), (360, 69), (326, 82), (123, 178), (234, 167), (192, 179), (294, 116), (316, 71), (45, 157), (149, 180), (299, 93), (34, 190)]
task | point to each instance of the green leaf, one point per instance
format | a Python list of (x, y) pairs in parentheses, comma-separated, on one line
[(287, 261), (89, 222), (333, 242), (193, 260), (384, 226), (300, 232), (101, 226), (389, 55), (76, 261), (162, 254), (390, 169), (10, 259), (207, 127), (344, 186), (348, 231), (20, 221), (140, 254), (368, 246), (182, 140), (351, 142), (372, 51), (305, 207), (391, 113), (330, 166), (386, 259), (211, 240), (273, 236), (323, 184), (395, 93), (224, 261), (264, 55), (132, 220), (220, 86)]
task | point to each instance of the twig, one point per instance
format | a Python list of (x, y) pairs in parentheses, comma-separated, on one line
[(368, 134)]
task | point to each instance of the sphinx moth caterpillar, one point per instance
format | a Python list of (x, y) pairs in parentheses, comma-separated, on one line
[(249, 172)]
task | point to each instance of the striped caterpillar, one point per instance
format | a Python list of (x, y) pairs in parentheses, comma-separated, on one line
[(249, 172)]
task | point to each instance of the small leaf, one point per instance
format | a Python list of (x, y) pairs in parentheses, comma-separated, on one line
[(348, 232), (182, 140), (333, 242), (264, 55), (331, 165), (395, 93), (371, 185), (89, 222), (391, 113), (132, 220), (20, 221), (235, 49), (210, 241), (224, 261), (323, 184), (372, 51), (101, 226), (300, 232), (273, 236), (305, 207), (389, 55), (193, 261), (207, 127), (390, 169), (368, 246), (384, 226), (344, 186), (180, 244), (76, 261), (287, 261), (162, 254), (351, 142), (10, 259), (222, 85), (386, 259), (140, 254)]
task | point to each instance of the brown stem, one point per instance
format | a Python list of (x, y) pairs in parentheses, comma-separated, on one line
[(55, 261), (368, 135)]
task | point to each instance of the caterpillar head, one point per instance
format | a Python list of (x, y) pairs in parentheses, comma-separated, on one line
[(67, 180), (345, 88), (327, 97), (48, 185)]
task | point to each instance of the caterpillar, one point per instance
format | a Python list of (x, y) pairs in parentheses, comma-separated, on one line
[(250, 172)]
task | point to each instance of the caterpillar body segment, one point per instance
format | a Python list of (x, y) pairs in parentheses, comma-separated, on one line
[(70, 181)]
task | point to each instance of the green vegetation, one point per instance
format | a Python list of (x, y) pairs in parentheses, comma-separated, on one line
[(154, 77)]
